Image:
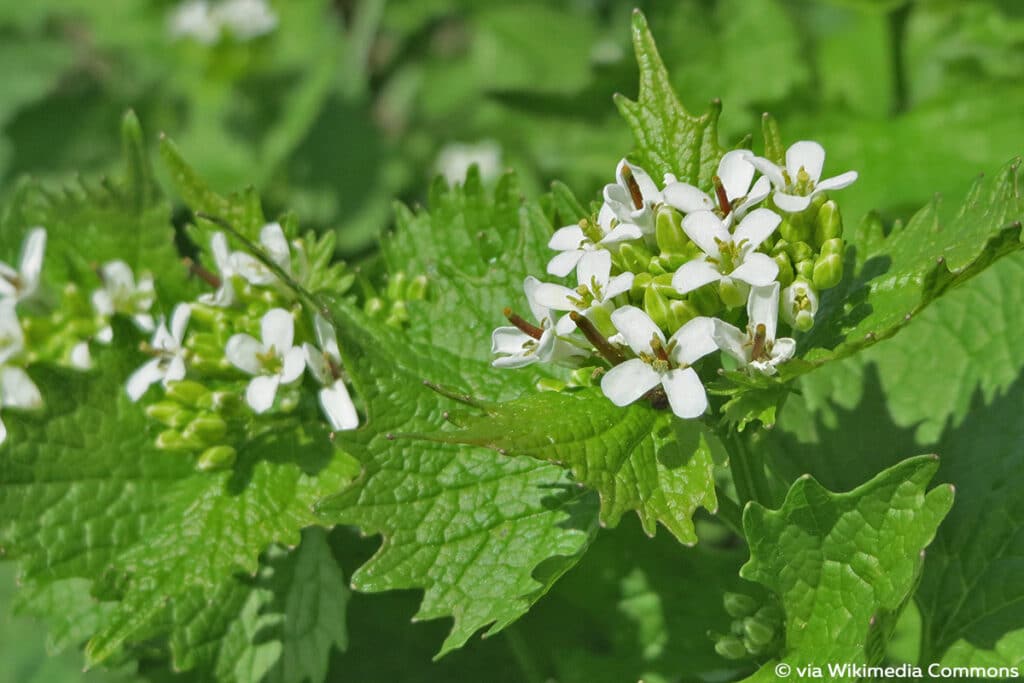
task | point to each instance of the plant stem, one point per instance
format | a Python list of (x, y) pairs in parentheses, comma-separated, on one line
[(897, 38), (729, 512), (747, 475)]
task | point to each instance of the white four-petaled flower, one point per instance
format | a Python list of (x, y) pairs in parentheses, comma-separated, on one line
[(517, 348), (660, 363), (17, 390), (273, 360), (120, 294), (222, 256), (799, 305), (731, 256), (274, 242), (757, 347), (324, 363), (596, 288), (630, 200), (22, 283), (736, 173), (167, 347), (799, 181)]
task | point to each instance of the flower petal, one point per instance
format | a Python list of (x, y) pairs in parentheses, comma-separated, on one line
[(731, 340), (562, 264), (755, 227), (102, 302), (736, 172), (175, 370), (508, 340), (756, 269), (117, 275), (179, 321), (273, 240), (277, 328), (704, 228), (338, 406), (623, 232), (567, 238), (221, 254), (540, 312), (636, 328), (783, 350), (770, 170), (805, 154), (685, 393), (80, 356), (326, 336), (317, 364), (687, 198), (837, 182), (3, 432), (261, 392), (252, 269), (693, 341), (555, 297), (294, 364), (516, 360), (18, 389), (594, 267), (32, 257), (763, 308), (242, 351), (628, 381), (620, 284), (791, 203), (693, 275)]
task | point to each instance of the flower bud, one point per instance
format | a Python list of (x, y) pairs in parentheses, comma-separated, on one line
[(640, 283), (805, 269), (774, 150), (550, 384), (187, 392), (657, 306), (786, 275), (170, 413), (216, 458), (601, 316), (206, 428), (759, 633), (828, 224), (706, 300), (828, 271), (395, 290), (417, 289), (733, 292), (792, 229), (668, 231), (634, 257), (374, 306), (731, 647), (800, 251), (799, 305), (739, 605), (836, 245), (172, 440)]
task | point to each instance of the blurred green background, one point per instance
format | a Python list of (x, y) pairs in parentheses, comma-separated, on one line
[(347, 105)]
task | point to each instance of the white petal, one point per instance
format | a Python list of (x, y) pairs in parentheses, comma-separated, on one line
[(8, 276), (628, 381), (81, 357), (242, 351), (791, 203), (756, 227), (515, 360), (622, 232), (144, 321), (317, 364), (3, 432), (761, 189), (783, 350), (175, 370), (252, 269), (565, 326), (567, 238), (179, 321), (277, 328), (693, 275), (605, 216), (12, 339), (530, 285), (273, 240), (731, 340), (757, 269), (326, 337), (687, 198), (32, 256), (162, 339), (685, 393), (620, 284), (595, 266), (294, 364), (619, 201), (805, 154), (636, 328), (648, 188), (117, 275), (261, 392), (736, 172), (105, 335), (562, 264), (770, 170), (508, 340), (693, 341), (18, 389), (102, 302), (836, 183), (704, 228), (221, 254), (338, 406), (763, 308)]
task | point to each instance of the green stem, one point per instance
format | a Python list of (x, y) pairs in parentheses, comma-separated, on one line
[(729, 512), (897, 38), (748, 476)]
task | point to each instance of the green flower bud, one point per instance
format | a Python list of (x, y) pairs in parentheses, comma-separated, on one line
[(733, 292), (805, 269), (751, 647), (550, 384), (187, 392), (172, 440), (668, 231), (225, 402), (657, 306), (786, 274), (793, 229), (739, 605), (601, 316), (706, 300), (800, 251), (209, 315), (682, 313), (170, 413), (770, 614), (395, 290), (836, 245), (758, 632), (774, 150), (657, 267), (731, 647), (398, 315), (216, 458), (417, 290), (828, 224), (640, 283), (374, 306), (206, 428), (828, 271), (634, 257), (799, 304)]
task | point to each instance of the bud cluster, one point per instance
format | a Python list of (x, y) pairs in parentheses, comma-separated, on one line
[(666, 274), (756, 631)]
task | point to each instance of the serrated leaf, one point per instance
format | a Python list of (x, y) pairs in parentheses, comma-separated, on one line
[(636, 458), (896, 277), (668, 138), (843, 564)]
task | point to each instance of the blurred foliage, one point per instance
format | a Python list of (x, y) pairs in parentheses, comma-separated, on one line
[(350, 104)]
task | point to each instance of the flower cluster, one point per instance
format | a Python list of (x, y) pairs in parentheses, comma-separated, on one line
[(207, 22), (666, 275)]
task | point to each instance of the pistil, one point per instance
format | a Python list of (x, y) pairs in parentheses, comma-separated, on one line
[(525, 327)]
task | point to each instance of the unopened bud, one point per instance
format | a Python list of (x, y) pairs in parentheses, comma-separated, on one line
[(169, 413), (657, 306), (706, 300), (828, 224), (668, 231), (634, 257), (640, 283), (833, 246), (758, 632), (417, 289), (216, 458), (739, 605), (786, 274), (805, 269), (793, 229), (187, 392), (800, 251), (828, 271), (733, 292), (206, 428), (172, 440), (398, 315), (731, 647), (601, 316), (799, 305), (374, 306), (550, 384), (395, 290)]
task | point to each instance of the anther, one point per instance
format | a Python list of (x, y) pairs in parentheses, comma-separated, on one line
[(603, 346), (634, 187), (723, 198), (202, 273), (760, 342), (525, 327)]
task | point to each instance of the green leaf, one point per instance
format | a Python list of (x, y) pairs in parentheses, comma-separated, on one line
[(897, 276), (844, 564), (636, 458), (668, 138), (483, 535)]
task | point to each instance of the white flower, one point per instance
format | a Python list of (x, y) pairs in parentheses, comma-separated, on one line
[(573, 242), (799, 305), (194, 19), (728, 256), (168, 365), (121, 295), (455, 158), (222, 256), (660, 363), (274, 360), (275, 244), (245, 19), (22, 283), (17, 390), (757, 347), (524, 343), (12, 339), (631, 199), (80, 356), (800, 181), (735, 171), (596, 289), (324, 363)]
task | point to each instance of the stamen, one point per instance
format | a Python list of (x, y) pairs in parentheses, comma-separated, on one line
[(202, 273), (723, 198), (603, 346), (760, 343), (659, 349), (525, 327), (634, 187)]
